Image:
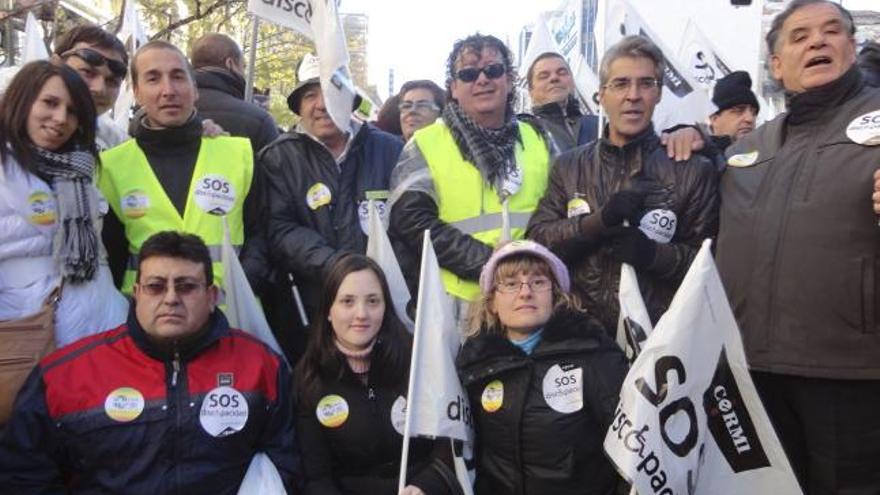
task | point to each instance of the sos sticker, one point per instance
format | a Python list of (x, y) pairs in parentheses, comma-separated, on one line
[(124, 404), (398, 414), (364, 213), (865, 129), (332, 411), (743, 159), (214, 194), (563, 388), (493, 396), (659, 225), (224, 412)]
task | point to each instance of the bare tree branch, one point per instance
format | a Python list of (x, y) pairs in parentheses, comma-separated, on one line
[(200, 14)]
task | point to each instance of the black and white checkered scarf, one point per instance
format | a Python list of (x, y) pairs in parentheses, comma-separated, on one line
[(75, 245)]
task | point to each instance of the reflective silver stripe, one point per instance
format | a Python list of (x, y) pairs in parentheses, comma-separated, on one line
[(213, 250), (491, 221)]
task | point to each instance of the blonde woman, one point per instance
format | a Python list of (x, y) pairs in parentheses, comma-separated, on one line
[(543, 379)]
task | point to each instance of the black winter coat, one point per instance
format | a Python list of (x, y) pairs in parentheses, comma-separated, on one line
[(358, 451), (221, 99), (569, 127), (527, 446), (690, 190), (318, 208)]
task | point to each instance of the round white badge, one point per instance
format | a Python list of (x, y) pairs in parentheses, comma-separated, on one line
[(214, 194), (398, 414), (865, 129), (364, 213), (578, 206), (332, 411), (563, 389), (224, 412), (743, 159), (659, 225), (318, 195), (493, 396), (124, 404)]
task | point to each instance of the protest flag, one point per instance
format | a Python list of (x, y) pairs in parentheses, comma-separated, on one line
[(34, 47), (689, 418), (379, 249), (436, 406), (634, 324), (701, 57), (242, 308)]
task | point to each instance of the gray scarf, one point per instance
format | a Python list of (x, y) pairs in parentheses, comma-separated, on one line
[(490, 150), (75, 245)]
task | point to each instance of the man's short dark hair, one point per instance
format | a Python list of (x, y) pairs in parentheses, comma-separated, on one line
[(94, 36), (476, 43), (160, 45), (530, 73), (776, 27), (436, 91), (172, 244), (212, 50)]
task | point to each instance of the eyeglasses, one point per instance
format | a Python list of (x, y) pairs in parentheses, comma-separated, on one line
[(471, 74), (514, 286), (623, 84), (181, 287), (420, 106), (97, 59)]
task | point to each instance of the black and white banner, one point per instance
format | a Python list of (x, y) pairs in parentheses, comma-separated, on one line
[(703, 59), (689, 419)]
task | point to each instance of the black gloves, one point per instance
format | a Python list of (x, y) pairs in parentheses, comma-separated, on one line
[(623, 205), (631, 245)]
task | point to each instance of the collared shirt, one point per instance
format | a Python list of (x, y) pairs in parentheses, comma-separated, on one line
[(349, 137)]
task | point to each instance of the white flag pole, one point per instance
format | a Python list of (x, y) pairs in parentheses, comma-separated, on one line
[(404, 456), (252, 61)]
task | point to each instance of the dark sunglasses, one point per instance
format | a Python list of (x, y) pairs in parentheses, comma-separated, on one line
[(181, 288), (96, 59), (471, 74)]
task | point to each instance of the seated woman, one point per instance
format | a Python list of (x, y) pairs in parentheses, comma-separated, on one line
[(543, 380), (50, 222), (351, 385)]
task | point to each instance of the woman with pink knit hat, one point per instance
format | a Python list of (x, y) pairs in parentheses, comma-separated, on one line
[(543, 379)]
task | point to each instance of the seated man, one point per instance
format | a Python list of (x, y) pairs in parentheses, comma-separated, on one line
[(173, 401), (627, 176)]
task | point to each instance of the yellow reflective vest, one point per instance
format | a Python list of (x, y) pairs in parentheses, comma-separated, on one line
[(470, 204), (221, 181)]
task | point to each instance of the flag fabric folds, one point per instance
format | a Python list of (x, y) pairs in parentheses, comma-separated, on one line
[(379, 249), (34, 47), (689, 418)]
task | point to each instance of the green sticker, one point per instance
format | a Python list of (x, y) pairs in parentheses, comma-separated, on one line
[(376, 194)]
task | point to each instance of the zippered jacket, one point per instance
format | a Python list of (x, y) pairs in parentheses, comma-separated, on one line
[(112, 413), (541, 419)]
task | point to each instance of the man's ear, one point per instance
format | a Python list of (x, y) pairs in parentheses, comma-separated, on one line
[(214, 295)]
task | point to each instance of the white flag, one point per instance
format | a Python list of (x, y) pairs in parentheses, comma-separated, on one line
[(336, 83), (704, 61), (634, 324), (541, 42), (293, 14), (379, 249), (34, 47), (242, 309), (586, 82), (683, 100), (689, 419), (132, 31), (437, 404)]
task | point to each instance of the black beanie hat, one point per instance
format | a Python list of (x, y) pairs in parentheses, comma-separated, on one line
[(734, 89)]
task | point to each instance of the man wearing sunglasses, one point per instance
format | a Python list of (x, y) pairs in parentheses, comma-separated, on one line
[(100, 58), (627, 177), (473, 177), (181, 401)]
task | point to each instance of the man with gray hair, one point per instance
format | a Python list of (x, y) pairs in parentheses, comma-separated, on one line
[(627, 176), (799, 252)]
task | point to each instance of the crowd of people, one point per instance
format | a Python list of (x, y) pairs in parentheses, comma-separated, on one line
[(119, 372)]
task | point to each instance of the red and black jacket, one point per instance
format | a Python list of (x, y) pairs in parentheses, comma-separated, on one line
[(113, 413)]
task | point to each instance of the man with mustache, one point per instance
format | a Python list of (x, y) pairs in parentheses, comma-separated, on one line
[(799, 252), (737, 108), (627, 177)]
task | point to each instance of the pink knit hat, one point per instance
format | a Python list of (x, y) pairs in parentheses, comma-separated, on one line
[(560, 272)]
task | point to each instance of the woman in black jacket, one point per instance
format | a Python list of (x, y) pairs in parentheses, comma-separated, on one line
[(351, 386), (543, 380)]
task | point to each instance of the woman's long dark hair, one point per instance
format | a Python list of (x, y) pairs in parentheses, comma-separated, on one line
[(20, 95), (389, 361)]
